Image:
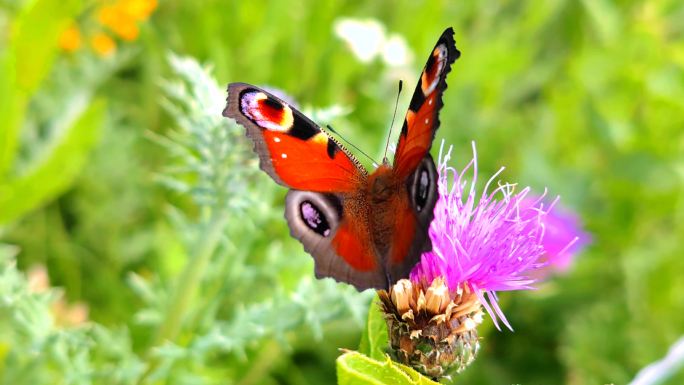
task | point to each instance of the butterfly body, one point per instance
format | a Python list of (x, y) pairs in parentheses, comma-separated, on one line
[(365, 229)]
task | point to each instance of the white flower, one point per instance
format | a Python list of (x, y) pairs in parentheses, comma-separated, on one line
[(368, 40)]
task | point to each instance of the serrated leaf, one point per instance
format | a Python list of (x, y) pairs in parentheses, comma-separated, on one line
[(374, 339), (354, 368), (57, 169)]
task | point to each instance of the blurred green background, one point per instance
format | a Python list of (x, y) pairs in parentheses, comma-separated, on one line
[(120, 184)]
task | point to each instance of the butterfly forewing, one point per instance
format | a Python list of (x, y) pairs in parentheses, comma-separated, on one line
[(292, 149), (422, 118), (413, 163)]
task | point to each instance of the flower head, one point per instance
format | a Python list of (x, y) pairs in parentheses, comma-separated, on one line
[(482, 243), (432, 329), (70, 39), (563, 237), (116, 19), (368, 39), (490, 242), (103, 45)]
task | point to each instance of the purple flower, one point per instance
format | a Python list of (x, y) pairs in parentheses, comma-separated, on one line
[(563, 237), (491, 242)]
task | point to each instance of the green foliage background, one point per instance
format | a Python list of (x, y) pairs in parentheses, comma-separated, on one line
[(118, 175)]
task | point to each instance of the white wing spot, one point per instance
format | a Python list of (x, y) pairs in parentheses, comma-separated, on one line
[(430, 102), (283, 156), (276, 139), (427, 120)]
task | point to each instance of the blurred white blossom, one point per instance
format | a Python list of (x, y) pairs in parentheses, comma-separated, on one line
[(368, 40)]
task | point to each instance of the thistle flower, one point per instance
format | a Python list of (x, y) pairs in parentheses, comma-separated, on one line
[(563, 238), (481, 244), (432, 329), (488, 244)]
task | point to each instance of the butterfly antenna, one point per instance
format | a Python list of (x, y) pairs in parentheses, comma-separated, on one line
[(351, 144), (384, 158)]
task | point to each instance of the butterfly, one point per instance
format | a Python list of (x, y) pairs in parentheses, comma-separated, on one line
[(368, 230)]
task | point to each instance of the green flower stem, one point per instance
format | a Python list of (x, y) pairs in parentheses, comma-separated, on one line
[(268, 356), (187, 284)]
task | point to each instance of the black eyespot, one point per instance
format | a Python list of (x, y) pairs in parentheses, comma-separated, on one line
[(314, 218), (422, 189)]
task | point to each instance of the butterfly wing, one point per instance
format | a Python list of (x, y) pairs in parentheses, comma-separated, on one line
[(297, 154), (413, 215), (339, 243), (413, 163), (292, 149), (422, 118)]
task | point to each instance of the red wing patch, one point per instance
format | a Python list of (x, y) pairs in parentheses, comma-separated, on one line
[(422, 117), (292, 149), (352, 244), (404, 232)]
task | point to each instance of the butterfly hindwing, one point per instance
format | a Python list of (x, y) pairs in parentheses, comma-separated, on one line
[(292, 149), (422, 118), (412, 221), (340, 245)]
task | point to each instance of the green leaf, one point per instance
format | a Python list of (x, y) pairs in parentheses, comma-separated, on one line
[(36, 39), (57, 170), (605, 17), (34, 46), (374, 340), (12, 106), (354, 368)]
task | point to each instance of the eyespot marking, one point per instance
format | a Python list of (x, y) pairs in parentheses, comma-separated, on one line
[(422, 188), (266, 112), (422, 193), (314, 218), (433, 69)]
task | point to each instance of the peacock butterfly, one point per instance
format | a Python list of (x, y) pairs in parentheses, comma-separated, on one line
[(366, 230)]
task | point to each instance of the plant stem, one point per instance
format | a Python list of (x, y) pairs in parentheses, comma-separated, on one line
[(269, 356), (188, 283)]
